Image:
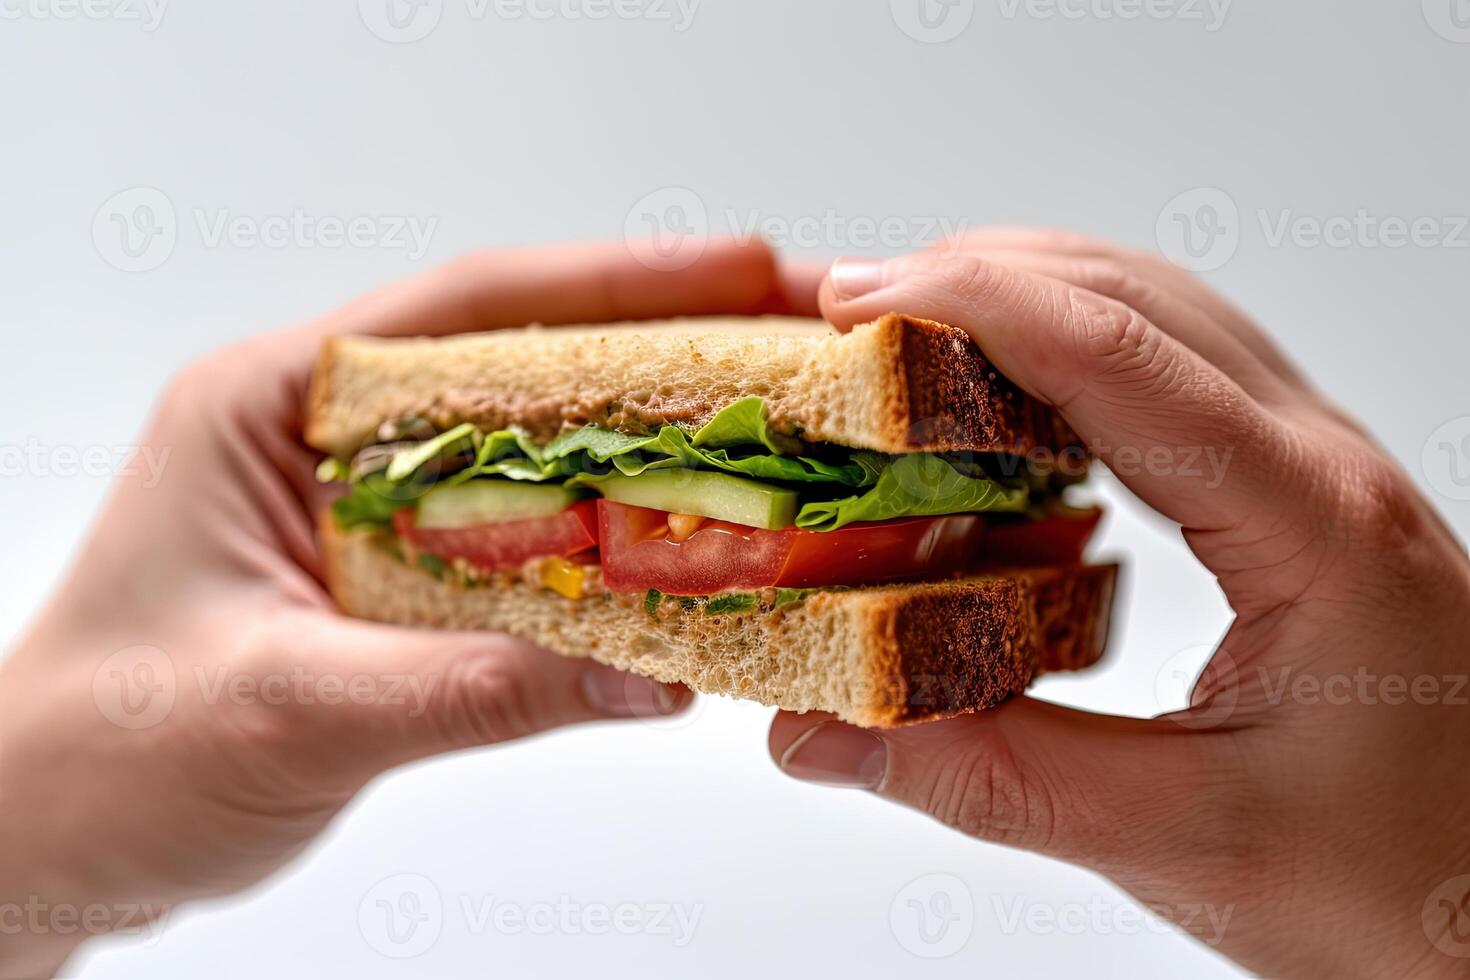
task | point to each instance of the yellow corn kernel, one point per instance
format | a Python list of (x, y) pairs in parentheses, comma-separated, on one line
[(563, 577), (681, 526)]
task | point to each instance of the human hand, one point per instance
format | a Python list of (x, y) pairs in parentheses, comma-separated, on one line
[(1315, 791), (191, 711)]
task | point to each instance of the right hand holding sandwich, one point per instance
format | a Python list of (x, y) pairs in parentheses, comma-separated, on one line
[(1320, 765)]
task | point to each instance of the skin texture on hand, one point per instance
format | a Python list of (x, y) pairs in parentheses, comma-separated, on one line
[(190, 711), (1316, 789)]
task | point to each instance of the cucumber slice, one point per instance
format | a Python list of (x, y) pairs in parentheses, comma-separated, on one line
[(715, 495), (490, 502)]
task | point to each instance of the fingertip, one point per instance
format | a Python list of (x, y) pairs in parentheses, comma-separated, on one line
[(613, 693), (788, 726), (834, 753)]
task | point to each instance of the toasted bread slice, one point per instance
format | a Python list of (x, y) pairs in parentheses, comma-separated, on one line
[(897, 385), (877, 656)]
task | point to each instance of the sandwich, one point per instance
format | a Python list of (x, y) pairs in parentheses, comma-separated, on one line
[(873, 524)]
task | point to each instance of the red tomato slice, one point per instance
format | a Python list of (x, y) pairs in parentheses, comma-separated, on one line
[(1054, 540), (637, 554), (508, 545)]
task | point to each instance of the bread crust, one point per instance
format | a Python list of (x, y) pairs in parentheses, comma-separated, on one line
[(899, 384), (879, 656)]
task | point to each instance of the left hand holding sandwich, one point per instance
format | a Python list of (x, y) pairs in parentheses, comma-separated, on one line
[(1320, 765), (190, 711)]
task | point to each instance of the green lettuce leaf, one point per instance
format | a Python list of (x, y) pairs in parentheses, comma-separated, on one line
[(713, 446), (920, 485), (744, 423), (737, 440), (372, 500), (404, 464)]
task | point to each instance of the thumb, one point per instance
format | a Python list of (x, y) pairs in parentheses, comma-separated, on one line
[(404, 693), (1092, 789)]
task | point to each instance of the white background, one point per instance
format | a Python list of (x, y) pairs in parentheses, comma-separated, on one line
[(507, 129)]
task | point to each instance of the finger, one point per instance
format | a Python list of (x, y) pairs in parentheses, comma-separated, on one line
[(1092, 789), (1147, 265), (800, 281), (1164, 306), (585, 283), (400, 693), (1181, 435)]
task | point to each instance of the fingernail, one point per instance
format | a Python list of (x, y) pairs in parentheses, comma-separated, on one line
[(619, 695), (837, 755), (852, 278)]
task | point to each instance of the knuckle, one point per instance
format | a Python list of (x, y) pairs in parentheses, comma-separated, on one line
[(970, 280), (1113, 278), (1116, 344), (1375, 503), (982, 791)]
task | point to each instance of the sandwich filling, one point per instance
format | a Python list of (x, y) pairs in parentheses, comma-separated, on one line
[(733, 510)]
